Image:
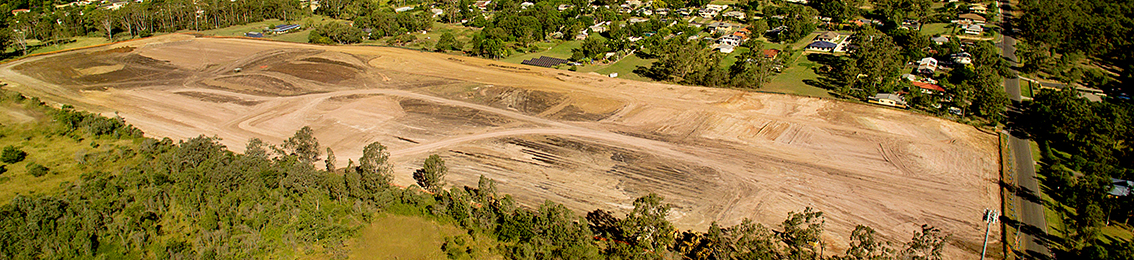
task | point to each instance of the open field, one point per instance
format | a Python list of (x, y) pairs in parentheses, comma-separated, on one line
[(583, 140), (408, 237)]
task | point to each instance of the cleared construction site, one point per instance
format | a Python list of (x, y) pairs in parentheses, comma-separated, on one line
[(584, 140)]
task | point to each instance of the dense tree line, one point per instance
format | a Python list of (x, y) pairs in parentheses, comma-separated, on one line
[(196, 199), (1094, 28), (47, 23), (692, 62)]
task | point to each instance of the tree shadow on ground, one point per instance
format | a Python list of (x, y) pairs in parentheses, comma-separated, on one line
[(825, 70)]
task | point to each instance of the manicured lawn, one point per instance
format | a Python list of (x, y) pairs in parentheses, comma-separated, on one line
[(624, 68), (937, 29), (791, 80), (560, 50), (730, 58), (408, 237), (426, 41)]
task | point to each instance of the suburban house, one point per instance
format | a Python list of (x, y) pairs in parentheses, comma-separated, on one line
[(928, 65), (708, 13), (563, 7), (525, 5), (718, 27), (599, 27), (716, 7), (888, 99), (725, 48), (963, 58), (974, 29), (1122, 188), (822, 46), (939, 40), (802, 2), (735, 14), (928, 88), (403, 9), (771, 53), (19, 11), (730, 40), (972, 18), (634, 20), (284, 28), (978, 8), (827, 36), (582, 35), (743, 33)]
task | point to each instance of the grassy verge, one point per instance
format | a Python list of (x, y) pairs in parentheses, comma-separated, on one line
[(1008, 198), (560, 50), (792, 79), (936, 29), (624, 68), (409, 237)]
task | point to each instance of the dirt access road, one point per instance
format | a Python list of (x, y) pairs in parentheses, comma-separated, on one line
[(583, 140)]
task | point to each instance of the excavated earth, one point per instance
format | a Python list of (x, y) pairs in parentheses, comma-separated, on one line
[(583, 140)]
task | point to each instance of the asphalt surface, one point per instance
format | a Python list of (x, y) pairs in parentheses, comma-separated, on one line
[(1031, 211)]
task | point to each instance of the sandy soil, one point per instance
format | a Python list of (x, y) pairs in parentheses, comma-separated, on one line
[(583, 140)]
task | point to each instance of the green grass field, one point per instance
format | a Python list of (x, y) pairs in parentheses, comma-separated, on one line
[(791, 80), (624, 68), (937, 29), (63, 156), (81, 41), (560, 50), (429, 39), (409, 237)]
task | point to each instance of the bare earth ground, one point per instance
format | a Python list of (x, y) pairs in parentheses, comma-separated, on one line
[(583, 140)]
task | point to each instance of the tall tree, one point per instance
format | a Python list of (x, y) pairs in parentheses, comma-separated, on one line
[(303, 145), (431, 176), (646, 226), (330, 161), (374, 167), (801, 233)]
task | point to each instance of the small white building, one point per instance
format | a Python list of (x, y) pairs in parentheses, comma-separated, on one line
[(928, 65), (963, 58), (735, 14)]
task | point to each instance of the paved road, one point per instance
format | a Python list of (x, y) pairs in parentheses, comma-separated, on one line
[(1031, 212)]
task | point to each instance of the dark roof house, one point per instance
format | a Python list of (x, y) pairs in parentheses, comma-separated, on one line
[(822, 46)]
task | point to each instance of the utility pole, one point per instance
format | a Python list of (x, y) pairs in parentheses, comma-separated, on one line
[(990, 217)]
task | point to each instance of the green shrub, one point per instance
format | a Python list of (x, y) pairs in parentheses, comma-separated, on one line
[(12, 154), (37, 170)]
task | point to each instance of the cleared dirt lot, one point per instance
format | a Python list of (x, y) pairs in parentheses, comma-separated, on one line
[(583, 140)]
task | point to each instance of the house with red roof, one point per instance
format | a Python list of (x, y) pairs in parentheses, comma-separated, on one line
[(928, 88)]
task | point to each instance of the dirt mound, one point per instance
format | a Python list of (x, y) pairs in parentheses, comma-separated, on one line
[(256, 84), (444, 116), (119, 65)]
